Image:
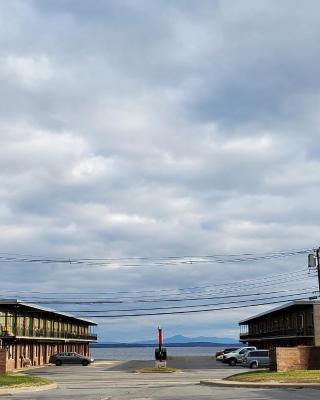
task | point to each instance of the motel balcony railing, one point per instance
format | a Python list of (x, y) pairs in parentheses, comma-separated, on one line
[(277, 333), (43, 333)]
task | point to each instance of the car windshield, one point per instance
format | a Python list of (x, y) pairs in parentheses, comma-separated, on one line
[(230, 350), (243, 351)]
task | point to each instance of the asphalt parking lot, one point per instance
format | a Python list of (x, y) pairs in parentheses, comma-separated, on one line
[(105, 381), (182, 362)]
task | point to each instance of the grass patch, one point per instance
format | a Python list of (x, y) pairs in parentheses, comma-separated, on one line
[(266, 376), (158, 370), (18, 380)]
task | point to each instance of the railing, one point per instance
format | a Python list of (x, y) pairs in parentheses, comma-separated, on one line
[(5, 333), (279, 333), (48, 334)]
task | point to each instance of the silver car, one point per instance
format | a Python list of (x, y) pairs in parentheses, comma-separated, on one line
[(256, 359), (235, 357)]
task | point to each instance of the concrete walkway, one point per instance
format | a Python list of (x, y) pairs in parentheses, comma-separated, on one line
[(27, 389), (261, 385)]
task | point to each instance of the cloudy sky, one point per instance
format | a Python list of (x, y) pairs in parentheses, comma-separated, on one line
[(140, 128)]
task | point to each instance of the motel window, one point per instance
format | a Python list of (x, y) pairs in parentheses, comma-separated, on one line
[(10, 352), (287, 323), (275, 324), (41, 326), (2, 322), (27, 325), (36, 326), (300, 321), (11, 323), (20, 325)]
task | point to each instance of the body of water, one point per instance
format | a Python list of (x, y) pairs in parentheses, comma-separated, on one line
[(147, 353)]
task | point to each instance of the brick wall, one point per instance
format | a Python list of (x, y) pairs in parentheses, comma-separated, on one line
[(295, 358), (10, 365), (3, 361), (316, 322)]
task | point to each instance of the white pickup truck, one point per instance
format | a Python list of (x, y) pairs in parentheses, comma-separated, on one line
[(236, 356)]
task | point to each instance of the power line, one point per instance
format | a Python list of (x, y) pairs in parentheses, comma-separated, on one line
[(261, 281), (153, 261), (236, 291), (252, 302), (216, 294), (303, 291), (193, 311), (287, 251)]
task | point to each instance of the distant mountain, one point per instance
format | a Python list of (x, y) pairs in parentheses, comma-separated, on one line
[(179, 339), (185, 339)]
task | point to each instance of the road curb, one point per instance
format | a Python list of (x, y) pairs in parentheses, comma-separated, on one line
[(261, 385), (26, 389)]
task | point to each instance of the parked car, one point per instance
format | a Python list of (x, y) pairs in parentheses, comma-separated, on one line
[(235, 357), (243, 355), (70, 358), (220, 354), (256, 359)]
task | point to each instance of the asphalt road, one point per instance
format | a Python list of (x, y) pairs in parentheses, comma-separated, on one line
[(181, 362), (105, 382)]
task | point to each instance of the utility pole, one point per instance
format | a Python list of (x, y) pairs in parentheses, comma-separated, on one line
[(314, 262), (318, 266)]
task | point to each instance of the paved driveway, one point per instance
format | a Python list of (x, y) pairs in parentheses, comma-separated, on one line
[(100, 382), (182, 362)]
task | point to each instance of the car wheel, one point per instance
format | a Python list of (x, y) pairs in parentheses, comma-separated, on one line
[(58, 363), (84, 363), (254, 365), (232, 362)]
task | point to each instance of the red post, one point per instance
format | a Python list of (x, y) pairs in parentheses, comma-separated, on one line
[(160, 337)]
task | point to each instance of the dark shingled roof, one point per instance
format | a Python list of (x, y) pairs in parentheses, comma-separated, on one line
[(45, 309), (287, 305)]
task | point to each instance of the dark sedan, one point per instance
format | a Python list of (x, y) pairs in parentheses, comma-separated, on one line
[(70, 358)]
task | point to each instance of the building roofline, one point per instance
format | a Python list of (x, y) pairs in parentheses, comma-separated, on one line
[(45, 309), (283, 306)]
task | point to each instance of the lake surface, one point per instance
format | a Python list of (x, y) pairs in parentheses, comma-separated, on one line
[(147, 353)]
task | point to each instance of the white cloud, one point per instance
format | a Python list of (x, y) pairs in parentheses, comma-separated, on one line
[(90, 169), (28, 70), (177, 130)]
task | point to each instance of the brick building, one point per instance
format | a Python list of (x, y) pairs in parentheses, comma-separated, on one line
[(29, 334), (293, 324)]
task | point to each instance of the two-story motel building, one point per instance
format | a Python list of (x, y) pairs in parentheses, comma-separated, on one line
[(292, 324), (29, 334)]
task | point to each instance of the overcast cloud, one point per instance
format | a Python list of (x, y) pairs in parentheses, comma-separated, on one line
[(157, 128)]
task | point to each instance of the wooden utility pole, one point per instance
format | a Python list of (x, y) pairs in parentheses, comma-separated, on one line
[(314, 262), (318, 267)]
